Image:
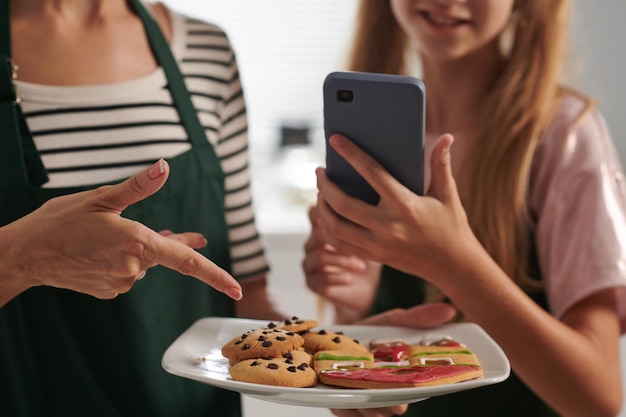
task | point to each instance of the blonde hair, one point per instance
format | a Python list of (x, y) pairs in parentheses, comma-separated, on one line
[(518, 108)]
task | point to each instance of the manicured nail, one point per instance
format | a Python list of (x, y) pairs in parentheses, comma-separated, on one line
[(157, 169), (234, 293), (337, 141)]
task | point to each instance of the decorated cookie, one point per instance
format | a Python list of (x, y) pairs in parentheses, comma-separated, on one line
[(400, 377), (261, 343), (431, 339), (294, 324), (389, 350), (441, 355), (338, 359), (327, 340), (290, 370)]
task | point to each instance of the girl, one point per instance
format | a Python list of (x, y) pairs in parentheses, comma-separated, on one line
[(523, 225)]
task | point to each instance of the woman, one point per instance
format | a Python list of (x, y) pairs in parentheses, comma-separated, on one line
[(522, 228), (107, 88)]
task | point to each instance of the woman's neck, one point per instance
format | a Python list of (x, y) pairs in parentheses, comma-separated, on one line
[(73, 11), (455, 90), (104, 40)]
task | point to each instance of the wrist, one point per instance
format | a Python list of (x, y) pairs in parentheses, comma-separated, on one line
[(347, 315), (12, 280)]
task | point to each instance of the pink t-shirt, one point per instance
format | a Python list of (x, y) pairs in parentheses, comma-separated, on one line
[(577, 203)]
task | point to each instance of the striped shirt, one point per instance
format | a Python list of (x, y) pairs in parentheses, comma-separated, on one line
[(92, 134)]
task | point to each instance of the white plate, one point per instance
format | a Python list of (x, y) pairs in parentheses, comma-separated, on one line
[(196, 355)]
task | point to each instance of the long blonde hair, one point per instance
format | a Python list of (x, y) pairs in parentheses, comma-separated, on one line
[(520, 105)]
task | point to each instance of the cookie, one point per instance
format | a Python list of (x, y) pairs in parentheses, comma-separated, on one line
[(389, 350), (328, 340), (400, 377), (290, 370), (339, 359), (294, 324), (261, 343), (441, 355)]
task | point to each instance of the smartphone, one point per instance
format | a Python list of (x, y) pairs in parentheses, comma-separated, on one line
[(384, 115)]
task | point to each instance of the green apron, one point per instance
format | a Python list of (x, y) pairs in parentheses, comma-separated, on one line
[(67, 354), (510, 398)]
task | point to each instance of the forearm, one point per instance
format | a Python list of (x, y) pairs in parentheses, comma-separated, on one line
[(12, 281), (259, 302), (569, 368)]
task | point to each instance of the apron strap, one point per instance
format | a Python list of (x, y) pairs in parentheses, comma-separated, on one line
[(19, 155), (182, 99)]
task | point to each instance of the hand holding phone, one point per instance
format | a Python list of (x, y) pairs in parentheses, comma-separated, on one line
[(384, 115)]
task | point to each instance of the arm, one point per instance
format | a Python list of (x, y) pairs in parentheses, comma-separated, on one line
[(260, 302), (576, 371), (81, 243), (348, 282)]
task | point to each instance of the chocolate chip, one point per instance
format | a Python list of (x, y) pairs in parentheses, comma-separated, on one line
[(255, 363), (267, 343), (271, 325), (291, 369), (336, 339), (322, 332), (281, 338), (288, 355), (303, 366), (288, 361), (272, 366), (262, 338), (245, 347)]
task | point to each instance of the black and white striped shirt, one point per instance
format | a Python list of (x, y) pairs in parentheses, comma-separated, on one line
[(93, 134)]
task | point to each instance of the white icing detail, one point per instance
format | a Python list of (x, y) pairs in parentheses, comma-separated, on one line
[(348, 364), (429, 339), (426, 361), (387, 342)]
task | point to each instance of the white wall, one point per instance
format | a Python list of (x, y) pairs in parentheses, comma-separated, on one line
[(600, 60)]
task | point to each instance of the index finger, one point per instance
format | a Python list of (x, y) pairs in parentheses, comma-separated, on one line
[(179, 257), (373, 173)]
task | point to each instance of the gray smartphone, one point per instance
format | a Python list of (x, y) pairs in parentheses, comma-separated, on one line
[(384, 115)]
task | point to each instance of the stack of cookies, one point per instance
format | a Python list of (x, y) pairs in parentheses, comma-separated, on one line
[(272, 355), (291, 354)]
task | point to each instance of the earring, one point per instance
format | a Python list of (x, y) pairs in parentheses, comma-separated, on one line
[(507, 37)]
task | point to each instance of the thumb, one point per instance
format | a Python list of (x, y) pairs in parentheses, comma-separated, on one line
[(135, 188), (442, 185), (422, 316)]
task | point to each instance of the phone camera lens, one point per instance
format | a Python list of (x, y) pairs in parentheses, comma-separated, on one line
[(345, 95)]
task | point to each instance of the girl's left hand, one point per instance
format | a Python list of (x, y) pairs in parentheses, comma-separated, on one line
[(416, 234)]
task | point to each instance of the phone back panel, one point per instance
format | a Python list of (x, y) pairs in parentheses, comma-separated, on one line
[(383, 115)]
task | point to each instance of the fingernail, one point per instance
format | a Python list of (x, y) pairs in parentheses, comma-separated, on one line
[(337, 140), (157, 169), (234, 293), (361, 265)]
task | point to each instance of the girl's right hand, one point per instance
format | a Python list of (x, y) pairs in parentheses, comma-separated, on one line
[(348, 282)]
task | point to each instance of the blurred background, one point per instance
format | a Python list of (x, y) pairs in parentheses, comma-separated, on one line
[(285, 49)]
